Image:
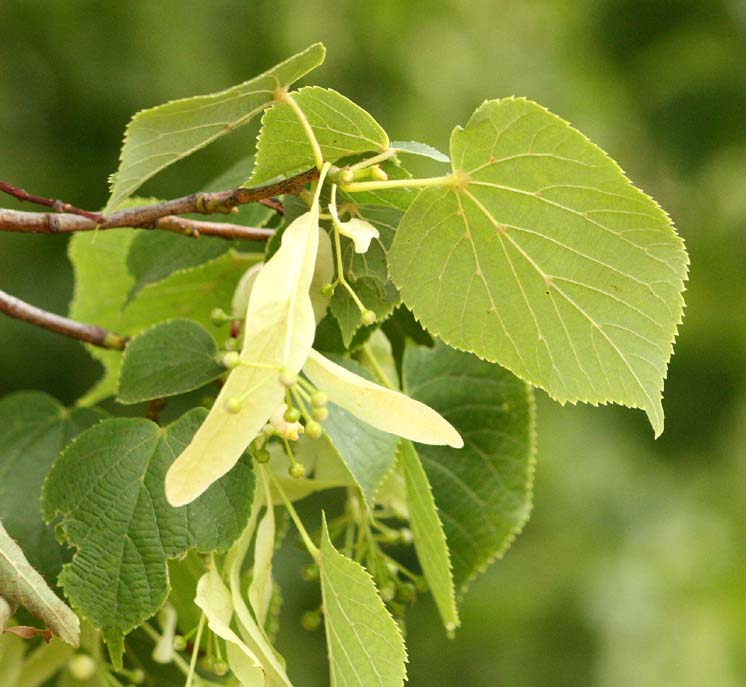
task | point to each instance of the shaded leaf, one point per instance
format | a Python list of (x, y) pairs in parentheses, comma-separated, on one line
[(543, 257), (159, 136), (168, 359), (34, 428), (367, 273), (483, 491), (107, 488)]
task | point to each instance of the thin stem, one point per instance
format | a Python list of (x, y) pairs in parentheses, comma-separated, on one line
[(148, 216), (89, 333), (317, 154), (56, 205), (356, 186), (376, 366), (382, 157), (312, 548), (195, 651), (341, 280)]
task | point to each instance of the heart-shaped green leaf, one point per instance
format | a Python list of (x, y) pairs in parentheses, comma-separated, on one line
[(540, 255)]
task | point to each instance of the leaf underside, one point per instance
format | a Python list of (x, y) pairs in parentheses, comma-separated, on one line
[(545, 259), (160, 136)]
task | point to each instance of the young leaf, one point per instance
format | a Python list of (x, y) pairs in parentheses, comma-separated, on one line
[(421, 149), (21, 585), (367, 273), (341, 127), (483, 491), (384, 409), (160, 136), (543, 257), (107, 487), (214, 598), (279, 328), (168, 359), (364, 643), (34, 428), (429, 538)]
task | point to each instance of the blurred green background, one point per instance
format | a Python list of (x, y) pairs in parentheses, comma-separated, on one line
[(632, 570)]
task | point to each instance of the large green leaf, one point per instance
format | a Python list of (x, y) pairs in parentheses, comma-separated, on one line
[(34, 428), (429, 537), (482, 491), (162, 135), (364, 643), (341, 127), (367, 273), (21, 585), (107, 487), (541, 256), (169, 358)]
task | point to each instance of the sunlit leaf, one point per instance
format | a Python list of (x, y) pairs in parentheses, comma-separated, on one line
[(429, 538), (341, 127), (260, 589), (364, 643), (160, 136), (543, 257), (421, 149)]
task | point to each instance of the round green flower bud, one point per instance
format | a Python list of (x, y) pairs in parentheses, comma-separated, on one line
[(320, 414), (231, 360), (82, 667), (388, 592), (367, 317), (310, 620), (406, 593), (319, 399), (288, 379), (137, 676), (179, 643), (261, 455), (327, 290), (405, 536), (346, 176), (297, 470), (377, 174), (314, 429), (220, 668), (233, 405), (292, 415), (218, 317), (231, 344), (310, 572)]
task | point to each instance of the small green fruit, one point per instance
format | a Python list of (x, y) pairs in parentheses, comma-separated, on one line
[(297, 470), (231, 360), (82, 667), (233, 405), (311, 620), (319, 399), (292, 415), (320, 414), (314, 429), (368, 317), (219, 317)]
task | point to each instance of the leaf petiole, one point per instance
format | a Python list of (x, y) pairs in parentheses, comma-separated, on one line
[(358, 186)]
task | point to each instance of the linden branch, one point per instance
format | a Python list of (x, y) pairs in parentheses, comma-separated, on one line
[(66, 218)]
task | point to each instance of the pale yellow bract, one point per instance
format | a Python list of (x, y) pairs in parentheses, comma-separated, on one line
[(385, 409), (280, 327)]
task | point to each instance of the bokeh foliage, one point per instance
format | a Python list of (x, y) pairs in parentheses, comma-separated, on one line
[(632, 568)]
